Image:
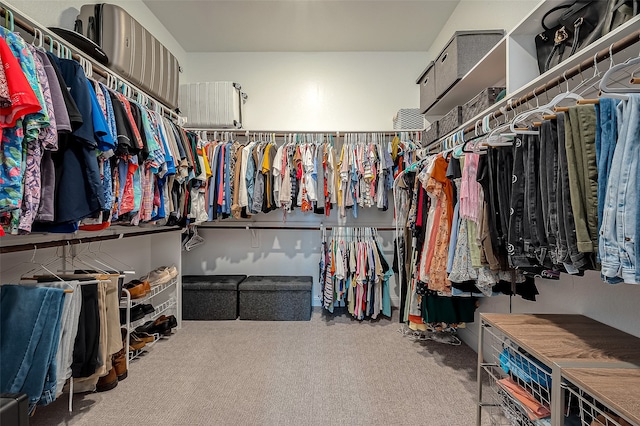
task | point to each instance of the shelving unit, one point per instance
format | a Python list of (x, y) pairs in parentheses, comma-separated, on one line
[(513, 63), (167, 293), (491, 71), (558, 359)]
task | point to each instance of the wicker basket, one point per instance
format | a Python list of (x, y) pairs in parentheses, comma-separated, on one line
[(451, 121), (431, 134), (480, 102)]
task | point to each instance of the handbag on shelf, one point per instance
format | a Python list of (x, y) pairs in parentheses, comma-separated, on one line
[(571, 26)]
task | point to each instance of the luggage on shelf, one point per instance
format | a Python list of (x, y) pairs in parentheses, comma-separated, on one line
[(133, 51), (215, 105)]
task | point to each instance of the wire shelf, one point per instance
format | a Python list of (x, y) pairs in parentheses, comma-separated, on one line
[(502, 407), (156, 290), (135, 354), (159, 310), (513, 361), (592, 412)]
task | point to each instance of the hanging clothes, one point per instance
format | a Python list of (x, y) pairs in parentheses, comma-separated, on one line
[(354, 273)]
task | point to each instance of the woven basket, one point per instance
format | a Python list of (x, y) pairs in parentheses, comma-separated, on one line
[(431, 134), (451, 121), (480, 102)]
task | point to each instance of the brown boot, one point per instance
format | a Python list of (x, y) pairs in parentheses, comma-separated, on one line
[(107, 382), (120, 365)]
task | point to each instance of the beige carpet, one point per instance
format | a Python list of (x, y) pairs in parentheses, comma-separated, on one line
[(329, 371)]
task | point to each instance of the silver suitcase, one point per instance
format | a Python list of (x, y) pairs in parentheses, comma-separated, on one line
[(213, 105), (133, 51)]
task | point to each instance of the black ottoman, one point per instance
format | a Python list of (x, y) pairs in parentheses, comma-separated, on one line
[(275, 298), (210, 297)]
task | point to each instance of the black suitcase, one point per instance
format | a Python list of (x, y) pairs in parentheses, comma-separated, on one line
[(14, 409), (133, 51)]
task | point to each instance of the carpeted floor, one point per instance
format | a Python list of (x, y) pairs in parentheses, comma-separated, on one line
[(329, 371)]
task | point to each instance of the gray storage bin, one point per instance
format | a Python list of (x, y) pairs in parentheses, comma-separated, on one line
[(463, 52), (210, 297), (427, 82), (275, 298), (431, 134), (450, 121), (480, 102)]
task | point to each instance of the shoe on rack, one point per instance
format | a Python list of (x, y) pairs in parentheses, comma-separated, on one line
[(147, 308), (137, 313), (145, 337), (159, 326), (173, 271), (158, 277), (120, 365), (137, 288), (135, 343), (107, 382), (173, 322)]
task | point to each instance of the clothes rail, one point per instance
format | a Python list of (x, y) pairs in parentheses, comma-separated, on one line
[(602, 55), (30, 26), (74, 241), (293, 228), (283, 133)]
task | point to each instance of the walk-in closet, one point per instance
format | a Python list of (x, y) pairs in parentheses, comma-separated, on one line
[(321, 212)]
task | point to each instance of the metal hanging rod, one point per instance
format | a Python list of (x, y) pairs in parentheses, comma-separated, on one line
[(283, 133), (291, 228), (32, 28), (602, 55), (75, 241)]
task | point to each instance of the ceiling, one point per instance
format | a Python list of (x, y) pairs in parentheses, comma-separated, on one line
[(303, 25)]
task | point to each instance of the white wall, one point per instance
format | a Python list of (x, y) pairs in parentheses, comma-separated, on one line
[(316, 91), (62, 13)]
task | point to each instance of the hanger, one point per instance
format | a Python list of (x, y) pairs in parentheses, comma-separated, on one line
[(44, 266), (38, 39), (195, 240), (615, 92)]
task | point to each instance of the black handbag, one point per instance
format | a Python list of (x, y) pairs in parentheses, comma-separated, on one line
[(567, 28), (576, 24)]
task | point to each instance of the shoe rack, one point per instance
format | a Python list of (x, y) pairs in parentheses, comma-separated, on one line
[(163, 298)]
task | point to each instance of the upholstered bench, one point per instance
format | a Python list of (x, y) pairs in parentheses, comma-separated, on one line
[(210, 297), (275, 298)]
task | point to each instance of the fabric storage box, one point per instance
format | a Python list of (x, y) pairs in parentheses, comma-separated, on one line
[(14, 409), (408, 119), (431, 134), (462, 52), (450, 121), (275, 298), (210, 297), (480, 102), (427, 82)]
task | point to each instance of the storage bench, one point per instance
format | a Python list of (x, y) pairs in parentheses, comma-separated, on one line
[(210, 297), (275, 298)]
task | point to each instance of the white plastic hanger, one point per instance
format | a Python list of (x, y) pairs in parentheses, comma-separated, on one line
[(614, 92)]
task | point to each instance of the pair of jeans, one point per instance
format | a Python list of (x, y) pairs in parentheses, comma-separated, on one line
[(519, 230), (606, 137), (567, 243), (580, 133), (549, 184), (500, 169), (620, 221), (536, 246), (86, 357), (30, 329)]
